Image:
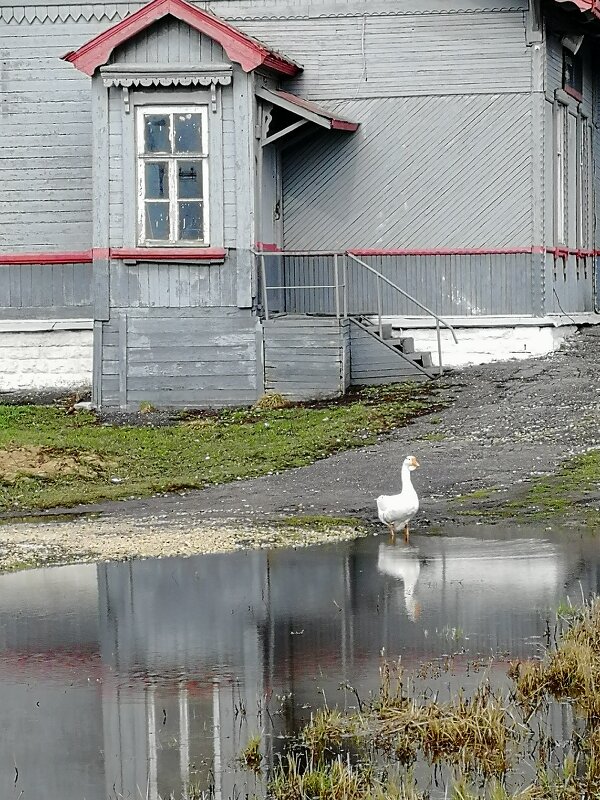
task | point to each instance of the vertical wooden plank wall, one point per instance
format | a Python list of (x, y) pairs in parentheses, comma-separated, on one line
[(45, 291)]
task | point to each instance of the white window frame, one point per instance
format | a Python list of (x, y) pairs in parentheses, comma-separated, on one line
[(142, 158), (560, 174)]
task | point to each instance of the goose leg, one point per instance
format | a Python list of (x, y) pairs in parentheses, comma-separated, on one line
[(406, 533), (392, 531)]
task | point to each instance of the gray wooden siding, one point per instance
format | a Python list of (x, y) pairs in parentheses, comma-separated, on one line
[(420, 173), (187, 357), (172, 285), (306, 358), (461, 285), (45, 138), (570, 284), (169, 41), (116, 145), (403, 54), (44, 291)]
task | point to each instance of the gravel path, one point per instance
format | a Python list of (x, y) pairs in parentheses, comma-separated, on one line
[(508, 421)]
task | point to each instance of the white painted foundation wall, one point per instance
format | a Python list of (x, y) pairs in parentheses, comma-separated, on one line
[(45, 356), (490, 342)]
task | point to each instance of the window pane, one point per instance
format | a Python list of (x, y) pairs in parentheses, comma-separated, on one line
[(189, 179), (156, 133), (188, 133), (157, 221), (157, 180), (190, 220)]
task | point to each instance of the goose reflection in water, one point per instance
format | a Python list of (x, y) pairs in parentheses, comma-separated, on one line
[(404, 564)]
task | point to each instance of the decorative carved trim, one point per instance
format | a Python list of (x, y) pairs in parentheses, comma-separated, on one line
[(373, 12), (115, 12), (164, 76), (66, 13)]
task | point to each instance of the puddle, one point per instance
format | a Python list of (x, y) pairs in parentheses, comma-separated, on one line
[(142, 679)]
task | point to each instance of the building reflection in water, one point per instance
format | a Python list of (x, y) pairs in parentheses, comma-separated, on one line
[(137, 679)]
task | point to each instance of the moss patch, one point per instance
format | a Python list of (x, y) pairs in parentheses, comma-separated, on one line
[(570, 496)]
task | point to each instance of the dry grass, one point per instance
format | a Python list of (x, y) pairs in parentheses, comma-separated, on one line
[(48, 463), (271, 402), (571, 672), (477, 738), (334, 780)]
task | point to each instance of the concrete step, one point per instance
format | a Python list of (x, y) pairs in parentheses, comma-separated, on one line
[(376, 363)]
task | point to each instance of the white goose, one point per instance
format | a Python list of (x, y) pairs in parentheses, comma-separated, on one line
[(396, 510)]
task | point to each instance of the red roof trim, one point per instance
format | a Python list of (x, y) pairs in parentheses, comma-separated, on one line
[(335, 122), (242, 49)]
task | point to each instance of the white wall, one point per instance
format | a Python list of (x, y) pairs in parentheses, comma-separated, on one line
[(483, 345), (45, 355)]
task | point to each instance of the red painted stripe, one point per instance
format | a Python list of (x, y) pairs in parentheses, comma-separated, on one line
[(167, 254), (83, 257), (268, 247), (483, 251), (216, 253)]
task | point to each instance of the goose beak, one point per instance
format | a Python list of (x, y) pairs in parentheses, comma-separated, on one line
[(415, 463)]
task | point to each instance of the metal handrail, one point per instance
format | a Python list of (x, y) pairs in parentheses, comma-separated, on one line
[(343, 285), (438, 320)]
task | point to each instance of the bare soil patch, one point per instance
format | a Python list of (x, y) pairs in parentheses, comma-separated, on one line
[(48, 463)]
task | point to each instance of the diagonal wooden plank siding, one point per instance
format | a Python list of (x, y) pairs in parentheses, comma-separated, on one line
[(423, 172)]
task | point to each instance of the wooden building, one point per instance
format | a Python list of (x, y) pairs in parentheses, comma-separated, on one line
[(253, 197)]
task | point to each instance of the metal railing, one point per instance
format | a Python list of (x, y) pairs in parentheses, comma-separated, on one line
[(438, 320), (339, 287)]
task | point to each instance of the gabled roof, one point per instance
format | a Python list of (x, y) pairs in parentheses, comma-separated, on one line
[(242, 49)]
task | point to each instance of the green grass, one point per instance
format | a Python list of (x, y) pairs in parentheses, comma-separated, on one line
[(110, 461)]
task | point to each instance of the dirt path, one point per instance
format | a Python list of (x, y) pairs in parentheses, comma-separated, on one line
[(507, 422)]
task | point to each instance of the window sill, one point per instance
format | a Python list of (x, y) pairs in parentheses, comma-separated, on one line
[(210, 255), (566, 98)]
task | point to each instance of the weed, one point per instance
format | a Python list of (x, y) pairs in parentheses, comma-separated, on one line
[(433, 437), (251, 755), (271, 401), (146, 407)]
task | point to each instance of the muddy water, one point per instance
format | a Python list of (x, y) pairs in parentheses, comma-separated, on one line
[(140, 679)]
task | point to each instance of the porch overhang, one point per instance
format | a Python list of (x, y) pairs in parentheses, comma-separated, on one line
[(249, 53), (306, 111)]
